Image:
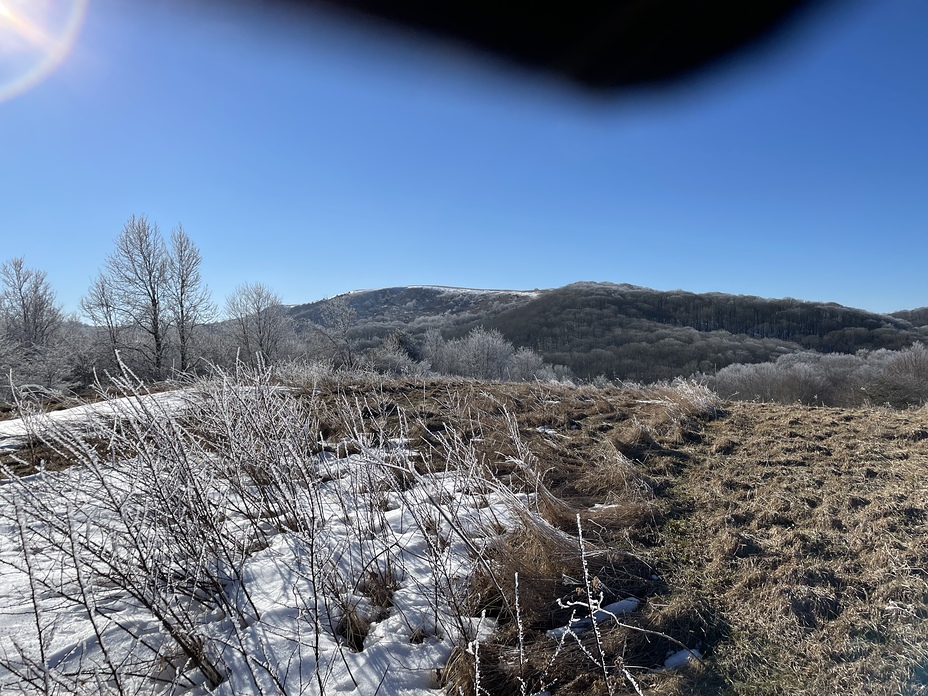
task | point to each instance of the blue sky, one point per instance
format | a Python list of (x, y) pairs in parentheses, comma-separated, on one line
[(319, 159)]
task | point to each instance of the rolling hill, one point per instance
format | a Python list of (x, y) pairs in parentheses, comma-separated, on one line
[(624, 331)]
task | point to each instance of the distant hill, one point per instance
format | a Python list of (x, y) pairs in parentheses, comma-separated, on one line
[(637, 333), (629, 332)]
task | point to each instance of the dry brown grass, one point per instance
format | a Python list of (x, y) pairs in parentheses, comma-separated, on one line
[(558, 443), (807, 532), (788, 542), (33, 454)]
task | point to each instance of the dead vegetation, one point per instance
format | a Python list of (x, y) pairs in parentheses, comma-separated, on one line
[(806, 528), (33, 454), (786, 543)]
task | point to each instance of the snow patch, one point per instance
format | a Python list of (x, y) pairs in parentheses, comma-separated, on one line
[(608, 612)]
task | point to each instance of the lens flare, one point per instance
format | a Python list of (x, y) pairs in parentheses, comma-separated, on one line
[(35, 37)]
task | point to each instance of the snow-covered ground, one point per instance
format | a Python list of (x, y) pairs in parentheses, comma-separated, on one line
[(174, 572), (282, 620), (14, 430)]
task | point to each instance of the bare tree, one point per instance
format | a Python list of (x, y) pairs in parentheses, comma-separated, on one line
[(484, 354), (436, 352), (337, 320), (99, 305), (31, 347), (133, 291), (259, 321), (526, 365), (191, 306), (31, 314), (147, 291), (903, 380)]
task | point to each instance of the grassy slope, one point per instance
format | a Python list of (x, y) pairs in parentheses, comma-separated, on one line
[(806, 529), (789, 542)]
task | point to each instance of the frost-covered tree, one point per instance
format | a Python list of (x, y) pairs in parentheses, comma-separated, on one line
[(903, 379), (149, 296), (131, 295), (30, 327), (894, 377), (99, 305), (526, 366), (397, 355), (484, 354), (260, 325), (337, 344), (191, 305), (29, 310), (435, 351)]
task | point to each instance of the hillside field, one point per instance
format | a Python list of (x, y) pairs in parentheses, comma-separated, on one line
[(784, 546)]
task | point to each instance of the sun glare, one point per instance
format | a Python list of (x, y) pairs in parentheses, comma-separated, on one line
[(35, 37)]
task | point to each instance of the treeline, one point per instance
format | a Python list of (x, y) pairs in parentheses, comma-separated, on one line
[(417, 308), (623, 332), (150, 310), (916, 317), (867, 378), (413, 311), (34, 334)]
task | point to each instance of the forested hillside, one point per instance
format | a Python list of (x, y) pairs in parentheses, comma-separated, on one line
[(630, 332), (164, 322), (618, 331), (917, 317)]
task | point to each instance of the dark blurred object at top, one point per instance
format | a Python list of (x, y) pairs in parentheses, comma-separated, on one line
[(599, 44)]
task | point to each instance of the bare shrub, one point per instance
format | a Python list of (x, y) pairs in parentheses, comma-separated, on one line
[(897, 378), (169, 524), (285, 527), (485, 354), (261, 327), (903, 380)]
